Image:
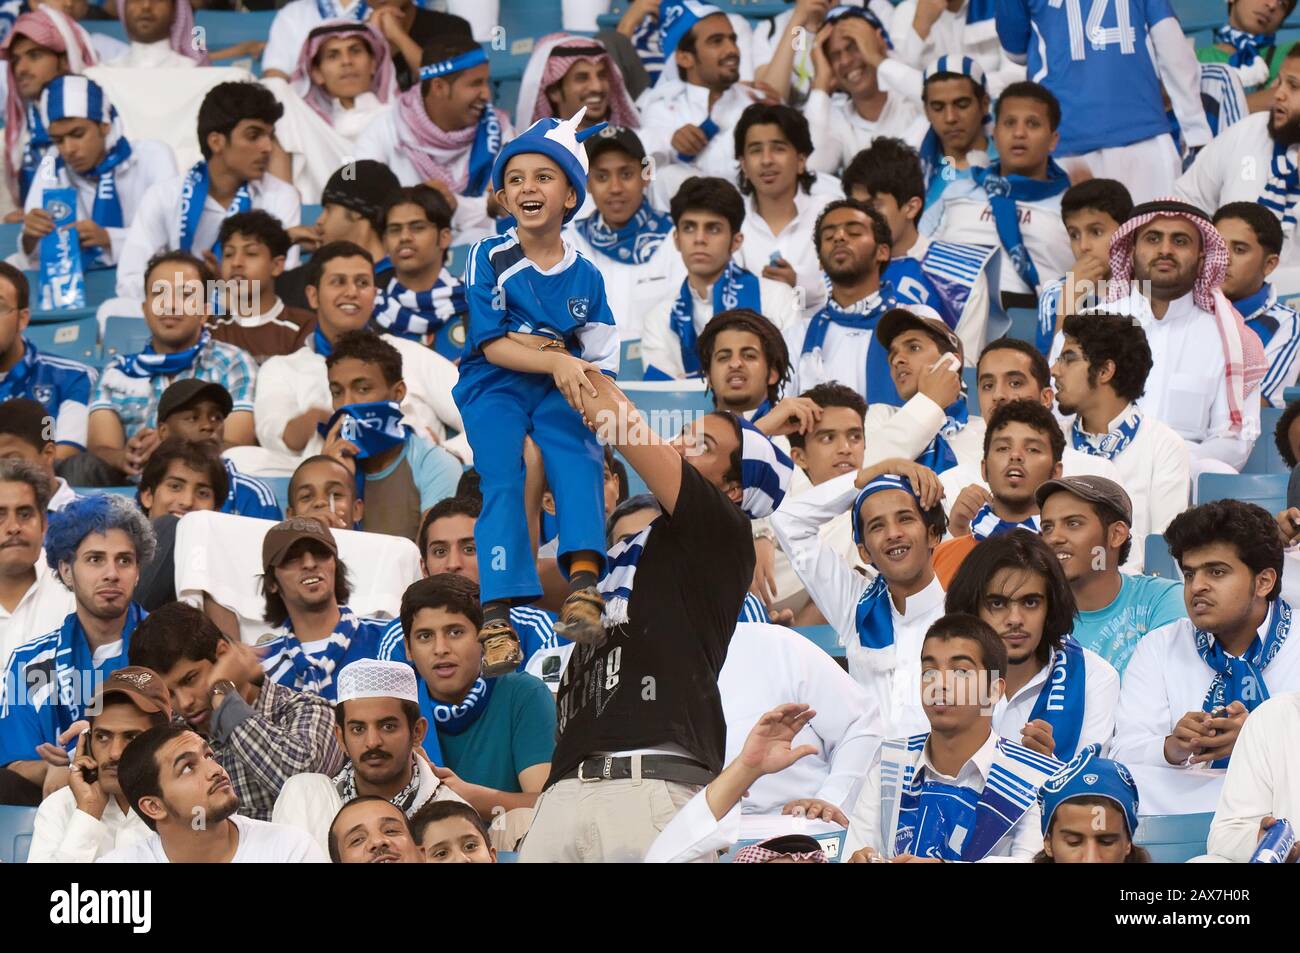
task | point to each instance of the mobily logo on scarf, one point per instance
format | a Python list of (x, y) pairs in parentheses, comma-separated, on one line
[(77, 906)]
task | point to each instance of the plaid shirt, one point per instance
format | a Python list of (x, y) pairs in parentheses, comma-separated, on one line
[(281, 734), (135, 399)]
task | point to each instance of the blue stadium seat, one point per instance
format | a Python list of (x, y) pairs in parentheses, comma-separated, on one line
[(16, 826), (1156, 560), (1264, 457), (971, 382), (279, 486), (9, 232), (669, 405), (1173, 838), (310, 213), (1024, 324), (1198, 14), (75, 340), (224, 28), (124, 336), (824, 637), (629, 362), (1266, 489)]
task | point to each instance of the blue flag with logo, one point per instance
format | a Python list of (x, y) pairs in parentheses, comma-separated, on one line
[(62, 277)]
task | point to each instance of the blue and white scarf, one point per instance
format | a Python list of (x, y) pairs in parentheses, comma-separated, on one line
[(1242, 679), (1112, 443), (194, 196), (313, 672), (416, 314), (872, 617), (620, 575), (939, 456), (633, 244), (149, 363), (107, 210), (456, 719), (483, 153), (38, 141), (1061, 701), (333, 10), (1247, 46), (735, 288), (1004, 191), (986, 524), (72, 682), (937, 819), (866, 314), (1282, 188)]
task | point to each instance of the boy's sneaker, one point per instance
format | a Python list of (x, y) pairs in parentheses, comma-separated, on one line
[(580, 617), (501, 651)]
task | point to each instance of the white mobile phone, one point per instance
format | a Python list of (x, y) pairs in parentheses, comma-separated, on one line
[(949, 360)]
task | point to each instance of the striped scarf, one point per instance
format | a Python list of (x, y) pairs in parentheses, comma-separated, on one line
[(415, 314)]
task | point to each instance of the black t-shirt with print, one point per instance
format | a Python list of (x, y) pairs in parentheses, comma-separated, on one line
[(655, 679)]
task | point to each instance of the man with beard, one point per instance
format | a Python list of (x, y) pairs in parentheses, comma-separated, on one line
[(1207, 366), (1253, 160), (371, 830), (567, 72), (171, 778), (161, 34), (380, 727), (91, 816)]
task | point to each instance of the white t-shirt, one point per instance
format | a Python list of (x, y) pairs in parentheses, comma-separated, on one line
[(260, 842), (839, 132)]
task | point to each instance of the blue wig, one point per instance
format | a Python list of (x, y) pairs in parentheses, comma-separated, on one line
[(96, 514)]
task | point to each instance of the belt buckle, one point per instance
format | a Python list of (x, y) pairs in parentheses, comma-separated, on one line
[(604, 775)]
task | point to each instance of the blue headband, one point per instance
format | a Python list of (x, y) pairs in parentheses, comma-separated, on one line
[(456, 64), (888, 481), (862, 13), (677, 18), (1089, 775)]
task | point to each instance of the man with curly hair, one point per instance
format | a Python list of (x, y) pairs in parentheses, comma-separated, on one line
[(96, 545)]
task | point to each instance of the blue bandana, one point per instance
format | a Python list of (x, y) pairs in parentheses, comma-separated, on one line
[(375, 426), (735, 288), (194, 195), (1004, 192), (149, 363), (633, 244), (880, 386), (1242, 679), (1246, 45), (1061, 702), (456, 719), (1090, 775), (986, 524), (939, 456), (1112, 443)]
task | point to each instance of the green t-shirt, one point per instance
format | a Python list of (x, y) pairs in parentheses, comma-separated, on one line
[(1210, 53), (515, 732)]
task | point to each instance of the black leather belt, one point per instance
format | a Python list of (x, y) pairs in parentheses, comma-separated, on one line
[(654, 767)]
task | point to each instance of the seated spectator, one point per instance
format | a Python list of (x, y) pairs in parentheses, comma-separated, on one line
[(325, 488), (161, 34), (493, 736), (1254, 239), (1101, 373), (1092, 212), (567, 72), (707, 216), (1090, 818), (1058, 696), (1247, 41), (849, 106), (261, 733), (405, 25), (97, 546), (955, 94), (1014, 204), (92, 155), (306, 589), (946, 276), (950, 810), (180, 477), (1087, 522), (32, 596), (91, 816), (345, 74), (62, 387), (773, 145), (379, 727), (170, 776), (236, 127), (25, 435), (445, 132), (422, 297), (1022, 450), (448, 832), (896, 523), (294, 393), (1257, 791), (198, 410), (371, 830), (127, 396), (405, 474), (1191, 685), (252, 316), (352, 209), (626, 237)]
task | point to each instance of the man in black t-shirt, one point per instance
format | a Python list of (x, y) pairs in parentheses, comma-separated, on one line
[(640, 721)]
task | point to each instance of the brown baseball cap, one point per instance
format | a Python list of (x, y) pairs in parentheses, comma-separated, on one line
[(897, 320), (143, 686), (1094, 489), (282, 536)]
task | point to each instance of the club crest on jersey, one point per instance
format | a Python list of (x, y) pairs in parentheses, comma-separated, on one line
[(43, 393), (578, 308)]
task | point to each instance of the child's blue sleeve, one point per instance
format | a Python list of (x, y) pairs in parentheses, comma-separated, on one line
[(599, 335), (487, 303)]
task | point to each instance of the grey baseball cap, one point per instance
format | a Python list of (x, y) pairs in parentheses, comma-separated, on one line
[(1094, 489)]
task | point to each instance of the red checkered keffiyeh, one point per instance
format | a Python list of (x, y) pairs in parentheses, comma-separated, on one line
[(760, 854), (1243, 353), (553, 56)]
